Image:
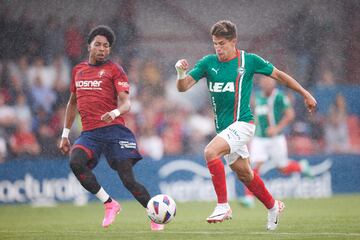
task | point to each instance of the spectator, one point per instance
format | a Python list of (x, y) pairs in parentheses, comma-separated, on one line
[(53, 39), (74, 41), (336, 131), (23, 142)]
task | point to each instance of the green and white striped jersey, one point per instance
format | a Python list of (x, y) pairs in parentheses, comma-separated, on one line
[(230, 85), (269, 110)]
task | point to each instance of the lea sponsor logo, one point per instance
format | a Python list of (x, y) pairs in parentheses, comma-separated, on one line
[(221, 87)]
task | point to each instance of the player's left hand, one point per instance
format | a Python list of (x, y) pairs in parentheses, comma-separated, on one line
[(310, 102), (108, 117), (272, 131)]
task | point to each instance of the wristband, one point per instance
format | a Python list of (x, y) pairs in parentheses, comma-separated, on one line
[(116, 112), (65, 133), (181, 74)]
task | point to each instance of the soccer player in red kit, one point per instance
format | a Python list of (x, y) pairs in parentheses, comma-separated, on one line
[(100, 92)]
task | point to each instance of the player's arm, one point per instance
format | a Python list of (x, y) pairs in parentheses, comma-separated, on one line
[(70, 114), (123, 106), (184, 81), (290, 82)]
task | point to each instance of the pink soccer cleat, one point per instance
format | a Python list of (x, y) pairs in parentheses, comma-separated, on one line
[(111, 210), (156, 227)]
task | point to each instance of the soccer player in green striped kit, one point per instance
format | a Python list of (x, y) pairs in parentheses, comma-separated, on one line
[(229, 74)]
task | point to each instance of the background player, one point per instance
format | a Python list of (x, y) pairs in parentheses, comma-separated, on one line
[(229, 75), (273, 113), (100, 92)]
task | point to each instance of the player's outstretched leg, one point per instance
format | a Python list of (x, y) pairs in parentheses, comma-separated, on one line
[(126, 174), (274, 214), (79, 165)]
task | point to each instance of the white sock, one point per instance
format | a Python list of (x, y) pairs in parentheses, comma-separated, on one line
[(102, 195), (275, 207), (225, 205)]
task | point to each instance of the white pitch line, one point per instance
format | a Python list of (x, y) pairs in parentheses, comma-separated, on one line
[(350, 234)]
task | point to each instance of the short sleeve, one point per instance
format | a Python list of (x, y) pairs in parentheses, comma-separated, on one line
[(261, 65), (72, 83), (199, 70)]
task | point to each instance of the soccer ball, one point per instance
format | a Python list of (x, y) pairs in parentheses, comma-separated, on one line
[(161, 209)]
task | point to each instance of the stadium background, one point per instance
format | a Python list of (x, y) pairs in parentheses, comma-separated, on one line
[(318, 42)]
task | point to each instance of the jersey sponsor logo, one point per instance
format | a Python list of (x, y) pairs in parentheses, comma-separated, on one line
[(123, 84), (241, 70), (88, 84), (127, 144), (221, 87), (215, 70)]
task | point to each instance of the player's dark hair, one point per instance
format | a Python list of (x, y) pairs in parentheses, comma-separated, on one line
[(103, 31), (225, 29)]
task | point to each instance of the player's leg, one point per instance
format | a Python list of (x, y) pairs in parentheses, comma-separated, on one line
[(213, 153), (81, 164), (259, 154), (124, 168), (255, 184), (122, 155)]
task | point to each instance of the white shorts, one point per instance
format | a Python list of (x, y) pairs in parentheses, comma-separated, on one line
[(274, 149), (237, 135)]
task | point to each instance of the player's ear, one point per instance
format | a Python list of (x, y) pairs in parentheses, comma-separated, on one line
[(88, 48)]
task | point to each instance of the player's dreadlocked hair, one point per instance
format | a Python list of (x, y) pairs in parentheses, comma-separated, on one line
[(225, 29), (103, 31)]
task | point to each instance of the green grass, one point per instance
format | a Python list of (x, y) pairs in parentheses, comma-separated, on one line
[(334, 218)]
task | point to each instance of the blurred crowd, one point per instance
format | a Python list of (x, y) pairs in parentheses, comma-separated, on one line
[(35, 67)]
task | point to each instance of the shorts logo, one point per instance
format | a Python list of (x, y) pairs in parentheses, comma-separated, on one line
[(234, 132), (127, 144)]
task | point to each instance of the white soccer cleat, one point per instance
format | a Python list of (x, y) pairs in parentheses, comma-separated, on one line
[(221, 212), (274, 214)]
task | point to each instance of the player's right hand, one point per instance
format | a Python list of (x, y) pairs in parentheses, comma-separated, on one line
[(64, 145), (182, 65)]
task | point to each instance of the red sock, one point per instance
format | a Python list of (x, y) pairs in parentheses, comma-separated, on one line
[(246, 190), (217, 171), (292, 167), (257, 187)]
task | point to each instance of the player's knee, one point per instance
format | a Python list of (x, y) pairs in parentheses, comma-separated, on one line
[(209, 154), (243, 171), (78, 160)]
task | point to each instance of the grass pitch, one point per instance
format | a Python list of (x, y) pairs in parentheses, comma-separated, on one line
[(334, 218)]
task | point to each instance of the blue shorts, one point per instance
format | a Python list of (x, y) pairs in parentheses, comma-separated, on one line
[(116, 142)]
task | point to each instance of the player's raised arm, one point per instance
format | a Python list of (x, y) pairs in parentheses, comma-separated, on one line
[(70, 114), (290, 82), (183, 82), (123, 103)]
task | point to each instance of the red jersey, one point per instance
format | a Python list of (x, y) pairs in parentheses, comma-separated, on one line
[(96, 88)]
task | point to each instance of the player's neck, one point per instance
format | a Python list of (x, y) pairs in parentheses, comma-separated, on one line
[(233, 54), (96, 63)]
